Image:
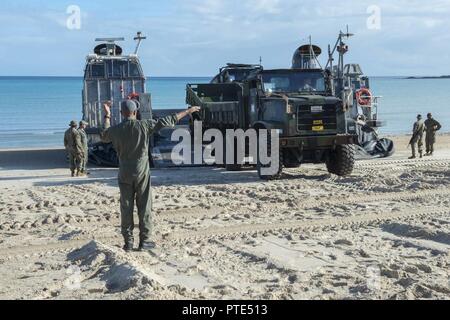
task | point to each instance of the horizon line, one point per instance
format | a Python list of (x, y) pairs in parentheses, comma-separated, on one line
[(167, 76)]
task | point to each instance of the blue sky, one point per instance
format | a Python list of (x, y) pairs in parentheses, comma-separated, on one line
[(196, 37)]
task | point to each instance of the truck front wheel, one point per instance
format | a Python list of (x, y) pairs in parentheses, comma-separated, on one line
[(341, 161)]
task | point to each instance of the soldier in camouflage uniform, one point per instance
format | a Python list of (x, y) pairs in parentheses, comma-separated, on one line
[(72, 143), (432, 126), (84, 143), (417, 138), (131, 141)]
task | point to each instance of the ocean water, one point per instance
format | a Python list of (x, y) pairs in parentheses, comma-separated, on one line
[(35, 111)]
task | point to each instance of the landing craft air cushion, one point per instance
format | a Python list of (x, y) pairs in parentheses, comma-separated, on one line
[(111, 76)]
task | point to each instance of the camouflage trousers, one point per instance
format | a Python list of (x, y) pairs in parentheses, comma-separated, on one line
[(137, 190), (418, 142), (84, 161), (76, 161)]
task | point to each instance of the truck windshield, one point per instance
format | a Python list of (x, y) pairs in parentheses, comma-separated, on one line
[(236, 75), (289, 82)]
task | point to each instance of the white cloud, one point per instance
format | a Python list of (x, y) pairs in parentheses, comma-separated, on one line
[(265, 6), (197, 36)]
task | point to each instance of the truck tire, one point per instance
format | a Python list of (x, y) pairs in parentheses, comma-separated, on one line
[(260, 166), (341, 161), (290, 161)]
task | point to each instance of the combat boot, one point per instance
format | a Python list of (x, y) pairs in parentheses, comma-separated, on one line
[(128, 247), (73, 174), (146, 245), (421, 155), (80, 174), (412, 157)]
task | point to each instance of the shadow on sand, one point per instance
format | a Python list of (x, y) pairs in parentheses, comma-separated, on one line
[(33, 159), (55, 159)]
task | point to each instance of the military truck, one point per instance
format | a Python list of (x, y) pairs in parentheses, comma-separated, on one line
[(299, 103), (112, 76)]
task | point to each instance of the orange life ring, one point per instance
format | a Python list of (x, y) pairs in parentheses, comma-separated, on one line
[(364, 97), (133, 96)]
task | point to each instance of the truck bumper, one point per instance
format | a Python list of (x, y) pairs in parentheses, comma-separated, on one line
[(317, 142)]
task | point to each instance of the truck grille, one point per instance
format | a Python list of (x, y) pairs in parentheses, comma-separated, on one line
[(316, 119)]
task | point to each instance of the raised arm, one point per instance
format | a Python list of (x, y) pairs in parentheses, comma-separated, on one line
[(187, 112), (170, 121), (105, 134)]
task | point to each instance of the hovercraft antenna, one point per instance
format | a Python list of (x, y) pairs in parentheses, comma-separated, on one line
[(342, 48), (139, 39)]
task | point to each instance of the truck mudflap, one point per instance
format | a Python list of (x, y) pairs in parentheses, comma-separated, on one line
[(318, 142)]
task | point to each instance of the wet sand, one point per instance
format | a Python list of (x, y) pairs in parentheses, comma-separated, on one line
[(381, 233)]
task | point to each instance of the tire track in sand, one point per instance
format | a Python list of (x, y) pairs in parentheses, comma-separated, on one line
[(233, 231), (200, 212)]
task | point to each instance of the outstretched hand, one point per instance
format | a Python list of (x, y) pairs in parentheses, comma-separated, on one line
[(194, 109), (188, 112)]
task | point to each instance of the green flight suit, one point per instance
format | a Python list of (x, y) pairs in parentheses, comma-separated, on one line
[(418, 130), (432, 126), (72, 143), (84, 143), (131, 140)]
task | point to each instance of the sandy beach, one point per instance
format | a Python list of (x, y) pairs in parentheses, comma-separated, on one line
[(381, 233)]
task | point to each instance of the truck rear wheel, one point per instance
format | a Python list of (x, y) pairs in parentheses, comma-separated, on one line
[(341, 161), (261, 166)]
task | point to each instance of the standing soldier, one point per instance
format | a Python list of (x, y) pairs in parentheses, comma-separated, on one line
[(84, 143), (417, 138), (72, 143), (432, 126), (131, 140)]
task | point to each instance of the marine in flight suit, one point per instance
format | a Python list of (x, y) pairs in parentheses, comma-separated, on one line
[(131, 140)]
